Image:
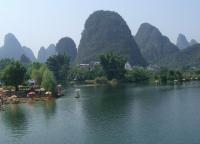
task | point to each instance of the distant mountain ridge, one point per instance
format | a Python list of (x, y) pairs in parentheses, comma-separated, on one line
[(193, 42), (183, 43), (107, 31), (44, 54), (155, 47), (188, 57), (29, 53), (13, 49), (67, 46)]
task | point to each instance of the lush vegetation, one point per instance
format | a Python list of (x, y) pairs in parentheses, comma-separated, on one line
[(59, 65), (13, 74), (113, 66), (138, 75), (110, 70), (48, 81), (16, 73), (187, 58), (85, 73)]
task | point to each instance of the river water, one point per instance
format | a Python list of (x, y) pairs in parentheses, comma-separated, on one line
[(125, 114)]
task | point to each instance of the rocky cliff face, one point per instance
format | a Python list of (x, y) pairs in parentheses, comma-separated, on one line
[(182, 42), (51, 50), (104, 32), (44, 54), (29, 53), (155, 47), (67, 46), (189, 57)]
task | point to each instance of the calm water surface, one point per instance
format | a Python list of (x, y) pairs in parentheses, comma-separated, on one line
[(108, 115)]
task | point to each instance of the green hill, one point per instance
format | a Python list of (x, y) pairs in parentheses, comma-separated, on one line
[(104, 32)]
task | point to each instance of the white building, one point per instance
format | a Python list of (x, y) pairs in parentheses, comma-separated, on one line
[(128, 66)]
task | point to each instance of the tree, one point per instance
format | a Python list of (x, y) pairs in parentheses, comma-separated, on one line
[(32, 70), (37, 76), (5, 62), (25, 60), (14, 74), (138, 75), (48, 81), (164, 75), (113, 65), (82, 74), (59, 65)]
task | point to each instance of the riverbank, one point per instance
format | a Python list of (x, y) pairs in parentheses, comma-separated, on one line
[(20, 100)]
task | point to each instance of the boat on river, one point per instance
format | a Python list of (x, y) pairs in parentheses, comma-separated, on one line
[(77, 93)]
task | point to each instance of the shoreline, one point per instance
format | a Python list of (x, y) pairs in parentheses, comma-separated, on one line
[(21, 100)]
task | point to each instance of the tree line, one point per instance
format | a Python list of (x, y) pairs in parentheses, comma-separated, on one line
[(59, 70)]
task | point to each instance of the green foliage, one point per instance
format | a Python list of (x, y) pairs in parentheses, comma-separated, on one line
[(165, 75), (82, 74), (113, 65), (101, 80), (78, 74), (59, 65), (25, 60), (5, 62), (37, 76), (187, 58), (138, 75), (38, 72), (14, 74), (48, 81), (35, 66)]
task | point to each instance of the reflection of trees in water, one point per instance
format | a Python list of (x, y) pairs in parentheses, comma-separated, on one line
[(105, 111), (111, 98), (49, 108), (15, 118), (107, 102)]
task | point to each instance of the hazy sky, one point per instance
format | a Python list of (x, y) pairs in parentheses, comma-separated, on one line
[(39, 23)]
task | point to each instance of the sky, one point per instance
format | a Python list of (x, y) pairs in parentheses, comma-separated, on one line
[(38, 23)]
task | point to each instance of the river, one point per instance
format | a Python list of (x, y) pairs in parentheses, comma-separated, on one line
[(125, 114)]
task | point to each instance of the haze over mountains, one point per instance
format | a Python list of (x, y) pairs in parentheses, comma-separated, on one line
[(44, 54), (107, 31), (183, 43), (13, 49)]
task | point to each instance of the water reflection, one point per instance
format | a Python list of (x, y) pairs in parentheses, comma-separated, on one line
[(49, 109), (16, 119), (106, 111)]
